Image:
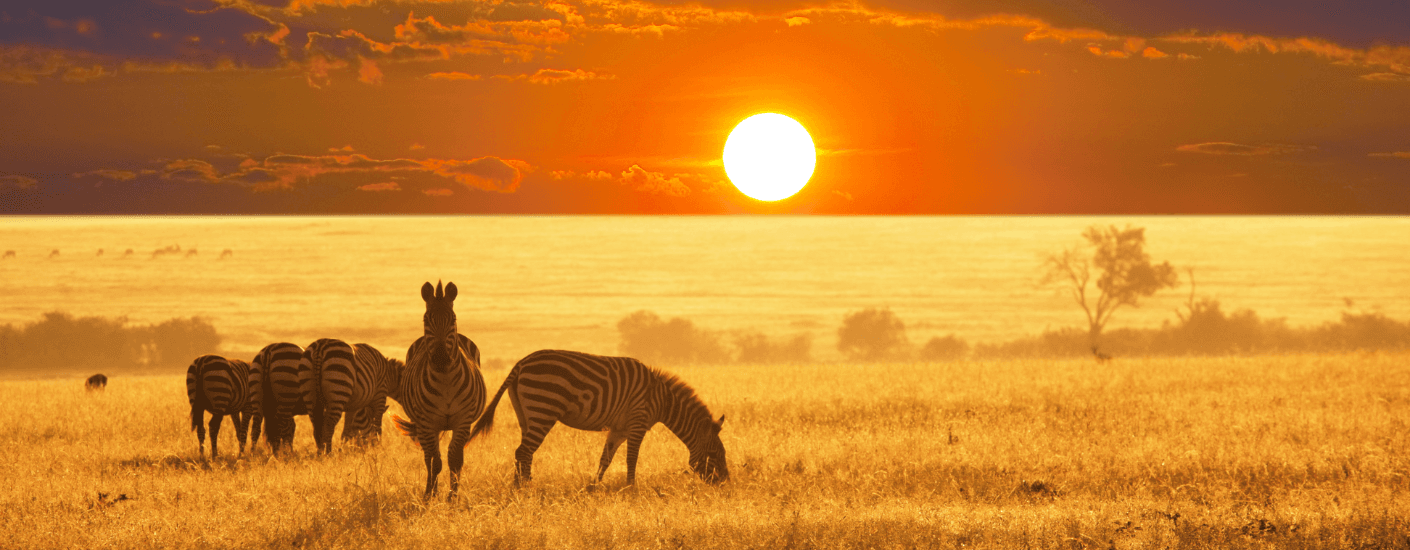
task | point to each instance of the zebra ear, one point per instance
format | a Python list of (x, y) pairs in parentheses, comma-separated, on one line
[(720, 423), (427, 293), (450, 292)]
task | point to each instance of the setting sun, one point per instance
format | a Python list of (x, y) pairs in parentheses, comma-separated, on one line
[(769, 156)]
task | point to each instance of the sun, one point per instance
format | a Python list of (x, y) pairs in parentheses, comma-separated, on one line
[(769, 156)]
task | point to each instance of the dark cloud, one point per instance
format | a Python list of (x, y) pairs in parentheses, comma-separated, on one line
[(1226, 148)]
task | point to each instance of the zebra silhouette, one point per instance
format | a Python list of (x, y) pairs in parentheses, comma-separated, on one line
[(97, 382), (9, 254), (222, 387), (619, 395), (54, 253), (285, 391), (441, 387), (325, 358)]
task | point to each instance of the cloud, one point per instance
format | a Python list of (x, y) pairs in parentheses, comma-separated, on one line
[(1151, 53), (485, 173), (1386, 77), (385, 186), (439, 192), (285, 171), (17, 181), (655, 183), (1393, 155), (117, 175), (453, 75), (555, 76), (796, 21), (1226, 148)]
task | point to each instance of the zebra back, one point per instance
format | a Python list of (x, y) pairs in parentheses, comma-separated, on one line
[(281, 388), (219, 385)]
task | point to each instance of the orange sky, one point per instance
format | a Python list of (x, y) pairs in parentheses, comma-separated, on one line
[(1022, 106)]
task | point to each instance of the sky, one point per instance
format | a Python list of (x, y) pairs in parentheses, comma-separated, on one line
[(623, 107)]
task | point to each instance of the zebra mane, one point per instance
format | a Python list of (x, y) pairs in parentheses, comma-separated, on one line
[(689, 400)]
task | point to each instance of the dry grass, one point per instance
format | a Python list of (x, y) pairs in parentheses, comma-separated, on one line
[(1300, 451)]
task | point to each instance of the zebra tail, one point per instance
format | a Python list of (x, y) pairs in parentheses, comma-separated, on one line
[(406, 427), (486, 422)]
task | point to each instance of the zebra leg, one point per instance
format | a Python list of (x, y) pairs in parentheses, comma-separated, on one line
[(633, 447), (614, 440), (197, 415), (256, 422), (316, 417), (242, 427), (531, 436), (431, 446), (373, 428), (455, 457), (215, 433), (330, 421)]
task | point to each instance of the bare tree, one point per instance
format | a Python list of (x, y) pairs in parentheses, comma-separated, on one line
[(1124, 273)]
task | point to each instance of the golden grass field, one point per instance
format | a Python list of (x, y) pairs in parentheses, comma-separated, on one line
[(1242, 452)]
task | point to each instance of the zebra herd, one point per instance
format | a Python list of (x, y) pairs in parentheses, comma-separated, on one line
[(440, 388)]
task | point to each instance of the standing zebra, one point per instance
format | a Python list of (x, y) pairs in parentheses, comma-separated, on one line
[(441, 387), (285, 391), (223, 387), (619, 395), (361, 389), (96, 382), (330, 363)]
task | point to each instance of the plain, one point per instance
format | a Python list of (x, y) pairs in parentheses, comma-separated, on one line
[(1304, 451)]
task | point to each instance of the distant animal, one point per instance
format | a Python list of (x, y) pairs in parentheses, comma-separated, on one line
[(190, 253), (619, 395), (226, 253), (1101, 357), (361, 392), (223, 387), (441, 387), (100, 252), (127, 253), (9, 254), (332, 358), (54, 253), (96, 382), (169, 249), (286, 390)]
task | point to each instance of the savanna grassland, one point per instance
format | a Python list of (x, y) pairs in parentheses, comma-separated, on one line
[(1304, 451)]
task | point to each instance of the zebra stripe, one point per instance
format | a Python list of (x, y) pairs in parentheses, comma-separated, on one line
[(222, 387), (619, 395), (441, 387), (330, 364), (283, 391), (361, 391)]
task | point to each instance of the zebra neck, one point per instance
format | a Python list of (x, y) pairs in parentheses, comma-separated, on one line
[(683, 414)]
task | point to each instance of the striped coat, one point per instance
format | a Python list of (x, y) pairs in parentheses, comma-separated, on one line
[(441, 388), (618, 395), (223, 387), (286, 391), (360, 389), (329, 363)]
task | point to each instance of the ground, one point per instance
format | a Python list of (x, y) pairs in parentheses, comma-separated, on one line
[(1304, 451)]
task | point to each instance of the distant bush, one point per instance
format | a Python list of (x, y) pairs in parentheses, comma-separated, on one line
[(60, 341), (645, 336), (948, 348), (755, 347), (873, 335)]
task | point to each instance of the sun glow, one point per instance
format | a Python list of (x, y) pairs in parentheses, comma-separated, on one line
[(769, 156)]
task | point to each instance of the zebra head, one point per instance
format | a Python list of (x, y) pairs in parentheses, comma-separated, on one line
[(440, 323), (707, 456)]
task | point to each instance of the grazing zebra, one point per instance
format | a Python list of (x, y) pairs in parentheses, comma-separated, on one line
[(9, 254), (54, 253), (361, 389), (127, 253), (441, 387), (226, 254), (96, 382), (100, 253), (619, 395), (325, 358), (223, 387), (285, 391)]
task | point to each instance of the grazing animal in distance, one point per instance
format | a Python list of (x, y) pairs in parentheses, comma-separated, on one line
[(54, 253), (325, 357), (361, 392), (226, 253), (100, 253), (1101, 357), (127, 253), (619, 395), (222, 387), (9, 254), (441, 387), (190, 253), (96, 382), (286, 390)]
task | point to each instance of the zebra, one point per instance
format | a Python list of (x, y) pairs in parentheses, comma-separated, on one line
[(441, 387), (1101, 357), (285, 391), (619, 395), (223, 387), (96, 382), (359, 388), (325, 358)]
